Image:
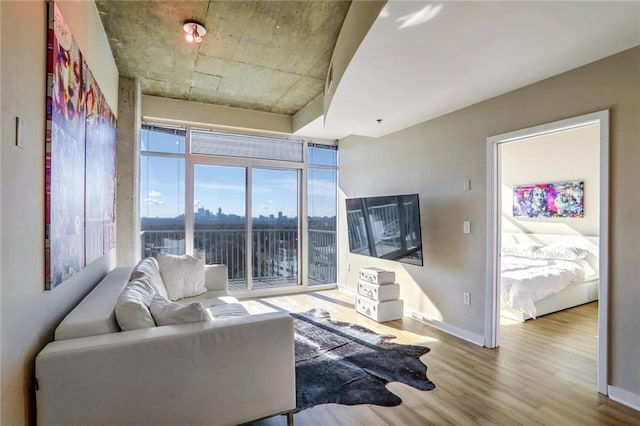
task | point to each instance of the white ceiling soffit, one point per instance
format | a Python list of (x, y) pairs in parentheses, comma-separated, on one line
[(421, 60), (316, 129)]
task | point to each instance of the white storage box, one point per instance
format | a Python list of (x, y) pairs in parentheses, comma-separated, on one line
[(377, 275), (379, 311), (379, 292)]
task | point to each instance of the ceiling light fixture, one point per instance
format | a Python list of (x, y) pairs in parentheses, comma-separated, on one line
[(195, 31)]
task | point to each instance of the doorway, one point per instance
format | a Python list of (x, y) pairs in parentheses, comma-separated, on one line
[(494, 227)]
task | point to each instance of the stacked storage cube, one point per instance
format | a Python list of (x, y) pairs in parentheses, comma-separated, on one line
[(378, 295)]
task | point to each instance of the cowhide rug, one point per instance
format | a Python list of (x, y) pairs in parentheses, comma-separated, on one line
[(338, 362)]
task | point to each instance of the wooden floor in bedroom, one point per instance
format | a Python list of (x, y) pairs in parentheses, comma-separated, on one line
[(544, 373)]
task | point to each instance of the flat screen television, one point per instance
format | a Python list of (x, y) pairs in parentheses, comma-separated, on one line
[(386, 227)]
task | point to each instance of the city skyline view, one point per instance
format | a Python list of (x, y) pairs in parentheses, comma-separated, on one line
[(163, 190)]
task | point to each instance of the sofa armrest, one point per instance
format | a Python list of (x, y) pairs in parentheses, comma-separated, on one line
[(216, 278), (223, 372)]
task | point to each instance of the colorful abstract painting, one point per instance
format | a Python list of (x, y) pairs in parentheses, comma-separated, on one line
[(563, 199), (79, 159), (100, 177)]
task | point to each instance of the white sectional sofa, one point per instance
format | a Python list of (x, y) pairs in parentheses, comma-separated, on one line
[(230, 370)]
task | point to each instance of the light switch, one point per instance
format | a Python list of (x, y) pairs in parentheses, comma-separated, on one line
[(466, 227), (467, 185)]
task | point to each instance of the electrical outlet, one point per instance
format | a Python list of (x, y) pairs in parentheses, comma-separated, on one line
[(466, 298)]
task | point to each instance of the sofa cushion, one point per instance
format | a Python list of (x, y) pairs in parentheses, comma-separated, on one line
[(166, 312), (227, 310), (215, 278), (148, 269), (183, 275), (210, 298), (132, 307)]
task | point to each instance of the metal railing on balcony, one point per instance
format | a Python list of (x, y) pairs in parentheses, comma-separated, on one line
[(275, 253), (154, 242), (322, 257)]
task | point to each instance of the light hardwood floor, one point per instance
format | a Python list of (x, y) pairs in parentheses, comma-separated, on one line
[(543, 373)]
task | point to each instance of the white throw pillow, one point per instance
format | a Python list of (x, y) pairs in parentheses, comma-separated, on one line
[(132, 307), (149, 270), (183, 276), (166, 312), (561, 252), (520, 250)]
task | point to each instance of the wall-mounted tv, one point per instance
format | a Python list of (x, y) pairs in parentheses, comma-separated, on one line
[(386, 227)]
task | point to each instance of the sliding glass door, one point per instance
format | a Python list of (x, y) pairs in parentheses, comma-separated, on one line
[(275, 227), (219, 219), (264, 206)]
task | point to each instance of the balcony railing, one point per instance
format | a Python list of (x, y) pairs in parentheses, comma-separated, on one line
[(275, 254), (322, 257)]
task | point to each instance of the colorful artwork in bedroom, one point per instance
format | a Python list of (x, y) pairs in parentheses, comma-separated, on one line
[(563, 199), (79, 159)]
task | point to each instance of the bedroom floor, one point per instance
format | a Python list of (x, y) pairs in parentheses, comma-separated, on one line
[(568, 338), (544, 373)]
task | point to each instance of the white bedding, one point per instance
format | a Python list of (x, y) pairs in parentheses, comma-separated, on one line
[(525, 280)]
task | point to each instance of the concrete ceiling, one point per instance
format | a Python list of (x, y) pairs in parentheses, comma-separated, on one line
[(267, 56)]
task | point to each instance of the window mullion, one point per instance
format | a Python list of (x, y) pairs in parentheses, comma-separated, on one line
[(303, 224), (249, 228), (188, 202)]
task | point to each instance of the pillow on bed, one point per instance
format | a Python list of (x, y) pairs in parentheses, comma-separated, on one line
[(520, 250), (560, 252)]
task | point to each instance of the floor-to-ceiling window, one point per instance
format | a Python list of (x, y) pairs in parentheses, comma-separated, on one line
[(219, 220), (264, 206), (275, 223), (162, 190), (322, 178)]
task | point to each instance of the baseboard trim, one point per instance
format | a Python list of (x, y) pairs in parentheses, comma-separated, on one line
[(347, 289), (624, 397), (474, 338)]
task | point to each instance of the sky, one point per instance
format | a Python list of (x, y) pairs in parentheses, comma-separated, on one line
[(162, 185)]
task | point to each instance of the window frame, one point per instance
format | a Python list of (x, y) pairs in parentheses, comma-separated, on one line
[(191, 160)]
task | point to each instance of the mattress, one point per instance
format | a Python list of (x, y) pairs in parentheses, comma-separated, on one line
[(526, 280)]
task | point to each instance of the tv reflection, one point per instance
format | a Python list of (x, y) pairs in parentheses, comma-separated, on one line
[(386, 227)]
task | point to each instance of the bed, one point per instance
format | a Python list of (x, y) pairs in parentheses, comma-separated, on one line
[(544, 273)]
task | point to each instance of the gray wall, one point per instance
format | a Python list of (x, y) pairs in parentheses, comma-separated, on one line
[(29, 314), (434, 158)]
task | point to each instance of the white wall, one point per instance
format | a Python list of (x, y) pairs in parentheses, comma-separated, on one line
[(359, 19), (29, 314), (434, 158), (569, 155)]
